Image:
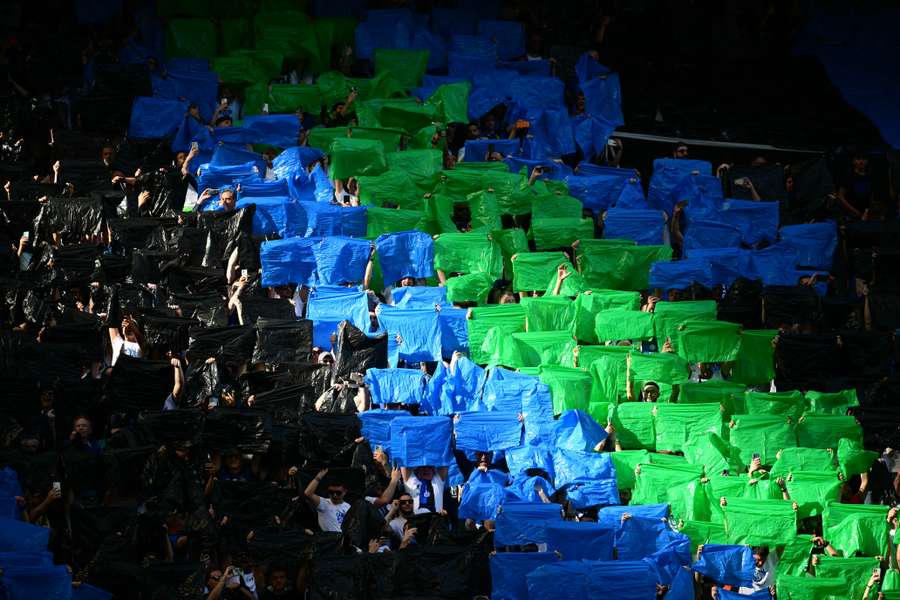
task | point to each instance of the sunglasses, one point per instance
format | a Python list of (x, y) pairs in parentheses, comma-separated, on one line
[(335, 492), (406, 502)]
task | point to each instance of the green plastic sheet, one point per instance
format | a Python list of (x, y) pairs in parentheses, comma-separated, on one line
[(290, 98), (560, 232), (680, 423), (811, 490), (556, 206), (856, 528), (835, 403), (236, 33), (238, 69), (438, 215), (795, 557), (585, 355), (702, 533), (532, 270), (194, 38), (890, 581), (624, 462), (513, 193), (473, 287), (352, 157), (402, 113), (670, 314), (619, 267), (268, 60), (634, 423), (707, 341), (788, 404), (730, 395), (619, 324), (855, 571), (853, 458), (800, 587), (509, 317), (712, 452), (763, 434), (802, 459), (389, 220), (659, 367), (407, 66), (391, 186), (467, 253), (417, 163), (511, 241), (826, 431), (609, 374), (530, 349), (331, 32), (324, 137), (679, 487), (718, 485), (452, 102), (549, 313), (589, 303), (569, 387), (754, 364), (760, 522), (484, 210), (417, 168)]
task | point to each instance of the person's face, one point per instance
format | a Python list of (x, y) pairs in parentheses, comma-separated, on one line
[(195, 111), (580, 102), (760, 561), (225, 123), (860, 163), (681, 152), (46, 400), (473, 132), (407, 282), (336, 493), (278, 580), (789, 184), (406, 504), (214, 576), (483, 459), (507, 299), (489, 123), (227, 199), (233, 463), (651, 393), (107, 154), (83, 427), (30, 445), (181, 453), (179, 159)]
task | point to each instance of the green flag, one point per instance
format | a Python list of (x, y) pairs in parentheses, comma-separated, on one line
[(759, 522), (531, 270)]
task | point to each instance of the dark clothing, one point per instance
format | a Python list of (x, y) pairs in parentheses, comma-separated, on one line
[(858, 191)]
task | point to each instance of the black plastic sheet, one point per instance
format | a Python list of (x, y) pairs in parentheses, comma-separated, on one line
[(166, 332), (884, 309), (26, 191), (784, 306), (327, 440), (282, 340), (254, 308), (767, 179), (356, 352), (226, 228), (134, 233), (72, 218), (228, 343), (138, 384), (166, 426), (246, 429), (209, 308), (202, 381), (806, 362)]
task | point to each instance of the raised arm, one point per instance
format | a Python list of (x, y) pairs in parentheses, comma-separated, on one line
[(310, 492)]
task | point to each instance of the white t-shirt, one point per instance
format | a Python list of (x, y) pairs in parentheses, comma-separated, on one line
[(120, 345), (331, 515), (397, 523), (413, 484)]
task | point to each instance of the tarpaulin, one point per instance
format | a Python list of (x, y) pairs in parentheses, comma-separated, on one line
[(414, 334), (422, 441), (510, 569), (811, 490), (728, 565), (480, 501), (532, 270), (341, 260), (570, 387), (815, 243), (678, 486), (570, 466), (754, 364), (825, 431), (619, 267), (327, 307), (581, 540), (831, 403), (487, 431), (802, 459), (853, 459), (668, 174), (803, 587), (707, 233), (287, 261), (548, 313), (759, 522), (682, 274), (155, 117), (668, 315), (351, 157), (639, 537), (590, 493), (577, 431), (521, 523), (468, 253), (509, 317), (395, 386), (280, 341), (852, 528), (762, 434), (707, 341), (529, 349), (677, 424), (618, 324), (418, 164)]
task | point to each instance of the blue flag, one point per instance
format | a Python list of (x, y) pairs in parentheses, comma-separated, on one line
[(488, 431), (395, 386), (727, 565), (405, 254), (422, 441)]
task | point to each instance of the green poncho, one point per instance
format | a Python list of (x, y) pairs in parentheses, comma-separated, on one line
[(634, 424), (532, 270), (589, 303), (759, 522), (569, 387), (836, 403), (812, 489), (826, 431), (619, 324), (619, 267), (677, 424), (467, 253), (856, 528), (509, 317), (754, 364), (549, 313), (707, 341), (763, 434), (351, 157)]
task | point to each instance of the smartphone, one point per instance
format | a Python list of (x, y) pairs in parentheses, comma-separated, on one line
[(195, 147), (26, 235), (214, 191), (378, 448), (756, 455), (245, 273), (224, 101), (238, 572), (265, 108), (611, 143), (57, 486)]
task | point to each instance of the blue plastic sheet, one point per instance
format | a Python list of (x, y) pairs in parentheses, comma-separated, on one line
[(89, 592), (423, 39), (505, 393), (815, 243), (577, 431), (598, 191), (395, 386), (642, 226), (466, 66), (454, 332), (727, 565), (682, 586), (706, 233), (701, 191), (462, 389), (509, 36), (587, 68), (422, 441), (544, 582), (430, 83), (295, 159), (17, 535), (537, 406), (521, 523), (774, 264), (480, 501), (631, 196), (376, 424), (551, 129), (25, 559), (9, 483), (188, 129), (405, 254), (611, 516), (414, 334), (29, 583), (520, 459), (415, 296), (668, 174), (603, 99), (329, 219), (589, 493), (536, 93), (727, 264), (327, 307), (639, 537), (263, 189), (629, 579), (383, 29), (760, 595), (488, 431), (509, 571), (522, 489), (758, 221), (591, 133), (155, 117), (570, 466), (288, 261), (477, 150), (225, 156), (341, 259), (680, 274), (282, 131), (431, 400), (275, 216), (581, 540)]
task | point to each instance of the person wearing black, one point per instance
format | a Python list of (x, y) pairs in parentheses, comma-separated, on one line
[(855, 192)]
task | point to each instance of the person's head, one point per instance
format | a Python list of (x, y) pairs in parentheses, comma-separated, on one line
[(233, 460), (194, 110), (326, 358), (859, 161), (83, 426), (488, 122), (223, 121), (405, 504), (226, 197), (580, 103), (472, 131), (507, 298), (179, 159), (789, 183), (650, 392), (760, 554), (336, 493), (107, 154), (424, 473), (182, 450), (48, 396), (680, 150), (213, 577), (407, 281), (483, 458), (278, 578), (29, 443)]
